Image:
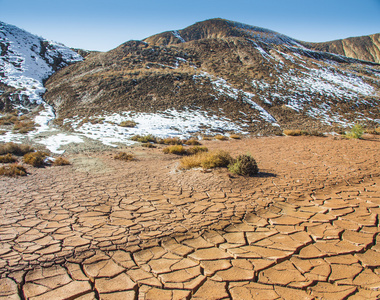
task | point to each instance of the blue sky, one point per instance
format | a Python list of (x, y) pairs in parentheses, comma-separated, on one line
[(105, 24)]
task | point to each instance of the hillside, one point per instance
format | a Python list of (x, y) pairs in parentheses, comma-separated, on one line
[(363, 47), (259, 80)]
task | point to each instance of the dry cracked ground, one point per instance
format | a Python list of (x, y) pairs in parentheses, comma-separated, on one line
[(305, 228)]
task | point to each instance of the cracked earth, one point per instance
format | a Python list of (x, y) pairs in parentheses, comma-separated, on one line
[(305, 228)]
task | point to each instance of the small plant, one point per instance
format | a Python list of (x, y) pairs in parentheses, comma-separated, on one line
[(148, 145), (356, 132), (149, 138), (192, 142), (36, 159), (221, 137), (206, 138), (16, 149), (7, 158), (235, 136), (196, 149), (2, 132), (295, 132), (171, 141), (175, 149), (13, 170), (24, 127), (244, 165), (124, 156), (207, 160), (60, 161), (128, 123)]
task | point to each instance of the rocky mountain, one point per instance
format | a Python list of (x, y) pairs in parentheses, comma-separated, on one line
[(363, 47), (254, 78), (26, 61)]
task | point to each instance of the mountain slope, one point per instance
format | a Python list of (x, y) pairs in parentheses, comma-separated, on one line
[(258, 79), (26, 61), (363, 47)]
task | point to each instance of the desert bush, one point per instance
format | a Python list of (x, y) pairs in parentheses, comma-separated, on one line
[(207, 160), (192, 142), (24, 127), (206, 138), (124, 156), (316, 133), (8, 119), (7, 158), (170, 141), (221, 137), (36, 159), (295, 132), (2, 132), (128, 123), (16, 149), (148, 145), (196, 149), (149, 138), (175, 149), (60, 161), (244, 165), (235, 136), (13, 170), (356, 132)]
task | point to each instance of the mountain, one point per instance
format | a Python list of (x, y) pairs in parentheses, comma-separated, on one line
[(257, 79), (363, 47), (26, 61)]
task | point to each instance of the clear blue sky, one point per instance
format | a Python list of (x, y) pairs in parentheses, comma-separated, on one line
[(105, 24)]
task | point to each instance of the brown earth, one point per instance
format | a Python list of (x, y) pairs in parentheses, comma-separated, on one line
[(305, 228)]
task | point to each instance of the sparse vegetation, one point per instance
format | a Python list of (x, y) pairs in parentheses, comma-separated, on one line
[(13, 170), (196, 149), (192, 142), (149, 138), (36, 159), (207, 160), (244, 165), (295, 132), (356, 132), (2, 132), (148, 145), (235, 136), (7, 158), (170, 141), (221, 137), (175, 149), (16, 149), (24, 126), (128, 123), (124, 156), (60, 161)]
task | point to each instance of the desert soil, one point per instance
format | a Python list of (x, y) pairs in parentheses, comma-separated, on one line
[(305, 228)]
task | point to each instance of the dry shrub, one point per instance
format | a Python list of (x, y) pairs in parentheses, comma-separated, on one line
[(221, 137), (355, 132), (175, 149), (16, 149), (148, 145), (2, 132), (8, 119), (377, 130), (192, 142), (7, 158), (171, 141), (196, 149), (128, 123), (207, 160), (124, 156), (36, 159), (13, 170), (235, 136), (244, 165), (24, 127), (60, 161), (149, 138), (206, 138), (295, 132)]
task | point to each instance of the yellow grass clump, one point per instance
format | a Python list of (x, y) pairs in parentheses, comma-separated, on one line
[(60, 161), (7, 158), (207, 160), (124, 156), (13, 170)]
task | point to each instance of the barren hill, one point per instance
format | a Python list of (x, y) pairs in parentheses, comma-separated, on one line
[(256, 78)]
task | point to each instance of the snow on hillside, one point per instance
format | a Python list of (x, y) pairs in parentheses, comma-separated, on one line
[(26, 60)]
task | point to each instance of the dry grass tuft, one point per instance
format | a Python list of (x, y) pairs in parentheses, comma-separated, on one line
[(16, 149), (207, 160), (13, 170), (192, 142), (196, 149), (295, 132), (36, 159), (24, 127), (175, 149), (221, 137), (148, 145), (235, 136), (60, 161), (124, 156), (2, 132), (149, 138), (128, 123), (171, 141), (7, 158)]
